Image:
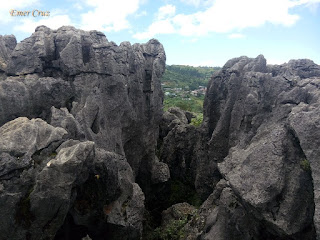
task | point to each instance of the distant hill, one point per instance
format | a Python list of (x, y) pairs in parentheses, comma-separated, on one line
[(185, 86), (187, 77)]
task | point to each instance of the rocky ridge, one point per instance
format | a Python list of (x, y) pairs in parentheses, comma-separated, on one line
[(87, 153)]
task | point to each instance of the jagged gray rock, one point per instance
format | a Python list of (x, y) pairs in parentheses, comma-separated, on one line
[(179, 211), (260, 133), (304, 120), (183, 150), (112, 91), (32, 97), (255, 159), (21, 138), (107, 102), (259, 152), (74, 181), (7, 44), (160, 172), (51, 196), (62, 118)]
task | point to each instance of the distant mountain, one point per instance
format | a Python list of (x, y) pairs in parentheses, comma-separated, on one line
[(187, 77)]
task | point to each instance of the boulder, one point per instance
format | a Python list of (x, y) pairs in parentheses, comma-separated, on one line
[(52, 188)]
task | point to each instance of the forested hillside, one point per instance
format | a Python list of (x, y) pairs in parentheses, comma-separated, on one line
[(187, 77), (185, 87)]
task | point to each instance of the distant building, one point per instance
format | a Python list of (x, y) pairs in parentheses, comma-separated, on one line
[(201, 91)]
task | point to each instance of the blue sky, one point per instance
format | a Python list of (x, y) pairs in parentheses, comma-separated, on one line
[(193, 32)]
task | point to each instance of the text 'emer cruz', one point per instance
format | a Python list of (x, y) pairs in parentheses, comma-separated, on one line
[(34, 13)]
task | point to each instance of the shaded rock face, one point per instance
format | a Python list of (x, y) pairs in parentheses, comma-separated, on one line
[(95, 109), (260, 137)]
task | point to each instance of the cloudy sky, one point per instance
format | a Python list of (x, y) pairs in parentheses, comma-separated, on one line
[(193, 32)]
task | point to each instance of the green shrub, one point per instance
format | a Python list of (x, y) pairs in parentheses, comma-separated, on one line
[(172, 231), (305, 165), (197, 121)]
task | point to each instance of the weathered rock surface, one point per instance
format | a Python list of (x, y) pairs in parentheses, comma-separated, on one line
[(80, 118), (72, 173), (7, 44), (112, 91), (247, 114), (62, 186), (21, 139), (260, 136), (32, 96)]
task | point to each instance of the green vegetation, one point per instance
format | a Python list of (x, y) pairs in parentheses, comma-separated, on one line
[(172, 231), (185, 87), (305, 165), (187, 77), (195, 104), (197, 120)]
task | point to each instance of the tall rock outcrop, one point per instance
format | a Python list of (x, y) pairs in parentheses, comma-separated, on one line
[(260, 138), (255, 138), (112, 91), (7, 44), (95, 109)]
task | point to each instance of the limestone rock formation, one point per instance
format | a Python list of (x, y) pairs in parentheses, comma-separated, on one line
[(260, 137), (79, 119), (112, 91), (46, 185), (85, 148), (260, 153), (7, 44)]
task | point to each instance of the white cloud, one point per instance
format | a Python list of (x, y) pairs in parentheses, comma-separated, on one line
[(236, 36), (109, 15), (141, 14), (162, 24), (20, 5), (299, 2), (195, 3), (165, 12), (78, 6), (28, 25), (312, 5), (158, 27), (227, 16), (222, 18)]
